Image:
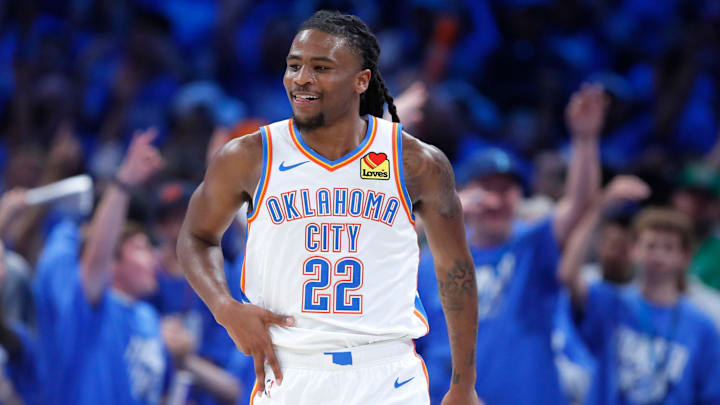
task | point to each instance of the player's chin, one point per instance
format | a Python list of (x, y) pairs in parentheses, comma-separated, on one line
[(306, 111), (308, 120)]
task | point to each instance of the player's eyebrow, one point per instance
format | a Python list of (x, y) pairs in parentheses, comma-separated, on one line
[(314, 58)]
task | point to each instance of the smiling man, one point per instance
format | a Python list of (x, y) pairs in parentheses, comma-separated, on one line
[(332, 255)]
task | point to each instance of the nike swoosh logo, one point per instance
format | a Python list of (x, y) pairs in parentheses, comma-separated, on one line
[(400, 384), (285, 168)]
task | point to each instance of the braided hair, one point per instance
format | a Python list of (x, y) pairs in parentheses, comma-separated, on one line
[(364, 43)]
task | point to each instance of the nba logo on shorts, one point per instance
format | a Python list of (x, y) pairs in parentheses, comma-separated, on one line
[(375, 166)]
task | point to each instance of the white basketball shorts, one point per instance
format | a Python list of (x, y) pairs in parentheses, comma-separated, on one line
[(388, 373)]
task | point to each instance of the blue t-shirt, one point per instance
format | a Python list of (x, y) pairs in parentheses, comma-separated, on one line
[(650, 354), (574, 362), (518, 292), (111, 353)]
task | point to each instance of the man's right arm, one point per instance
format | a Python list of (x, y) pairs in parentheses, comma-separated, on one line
[(229, 182), (620, 190), (573, 259), (212, 208), (141, 161)]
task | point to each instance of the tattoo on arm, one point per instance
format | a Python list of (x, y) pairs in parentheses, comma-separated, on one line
[(471, 357), (458, 283), (431, 184), (448, 202)]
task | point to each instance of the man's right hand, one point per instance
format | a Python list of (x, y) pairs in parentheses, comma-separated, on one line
[(623, 189), (585, 113), (141, 161), (247, 325)]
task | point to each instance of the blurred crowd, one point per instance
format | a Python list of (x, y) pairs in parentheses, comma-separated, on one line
[(552, 174)]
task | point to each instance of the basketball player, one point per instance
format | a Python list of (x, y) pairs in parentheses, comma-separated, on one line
[(331, 266)]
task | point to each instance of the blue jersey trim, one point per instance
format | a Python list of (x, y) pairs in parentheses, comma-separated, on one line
[(401, 173), (371, 125), (261, 183), (243, 298), (420, 308)]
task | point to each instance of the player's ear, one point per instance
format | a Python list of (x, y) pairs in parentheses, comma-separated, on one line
[(362, 81)]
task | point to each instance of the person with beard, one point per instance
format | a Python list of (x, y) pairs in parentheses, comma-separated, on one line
[(330, 268)]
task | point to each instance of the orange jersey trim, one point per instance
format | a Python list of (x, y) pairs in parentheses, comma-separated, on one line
[(254, 393), (422, 318), (265, 178), (242, 276)]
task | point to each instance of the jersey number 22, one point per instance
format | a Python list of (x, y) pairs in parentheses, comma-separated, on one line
[(317, 294)]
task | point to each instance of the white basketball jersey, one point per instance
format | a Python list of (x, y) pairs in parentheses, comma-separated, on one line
[(333, 243)]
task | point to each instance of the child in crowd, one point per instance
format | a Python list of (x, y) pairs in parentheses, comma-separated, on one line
[(653, 346)]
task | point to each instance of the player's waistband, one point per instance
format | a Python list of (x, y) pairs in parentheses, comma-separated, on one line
[(359, 356)]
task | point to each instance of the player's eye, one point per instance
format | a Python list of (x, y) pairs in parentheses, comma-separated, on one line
[(321, 68), (294, 68)]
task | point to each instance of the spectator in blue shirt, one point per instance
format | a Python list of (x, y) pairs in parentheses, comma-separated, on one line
[(652, 344), (516, 267), (100, 344)]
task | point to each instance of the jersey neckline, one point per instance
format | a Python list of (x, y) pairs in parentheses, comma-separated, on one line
[(332, 165)]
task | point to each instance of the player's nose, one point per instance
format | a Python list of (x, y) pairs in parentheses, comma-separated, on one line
[(304, 76)]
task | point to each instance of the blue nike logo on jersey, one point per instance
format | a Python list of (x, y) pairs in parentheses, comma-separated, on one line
[(400, 384), (284, 168)]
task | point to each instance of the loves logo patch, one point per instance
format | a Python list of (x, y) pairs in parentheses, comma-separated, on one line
[(375, 166)]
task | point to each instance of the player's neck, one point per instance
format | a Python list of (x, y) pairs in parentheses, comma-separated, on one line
[(662, 292), (337, 138)]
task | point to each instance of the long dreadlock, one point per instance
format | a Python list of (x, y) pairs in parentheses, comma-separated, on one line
[(362, 40)]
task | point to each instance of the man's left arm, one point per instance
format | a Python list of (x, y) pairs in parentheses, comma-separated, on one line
[(585, 115), (432, 188)]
